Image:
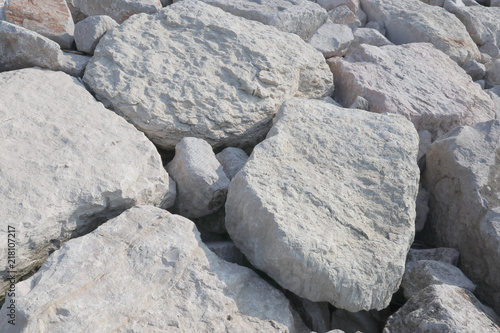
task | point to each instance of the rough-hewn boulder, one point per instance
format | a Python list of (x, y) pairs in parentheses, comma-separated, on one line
[(67, 165), (195, 70), (232, 160), (410, 21), (326, 204), (462, 178), (415, 80), (89, 31), (332, 39), (145, 271), (118, 10)]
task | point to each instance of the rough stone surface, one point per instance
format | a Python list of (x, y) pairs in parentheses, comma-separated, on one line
[(67, 164), (301, 17), (443, 254), (332, 40), (201, 181), (331, 4), (423, 273), (443, 308), (50, 18), (414, 80), (475, 69), (425, 142), (343, 15), (462, 179), (74, 64), (228, 251), (410, 21), (325, 180), (493, 74), (369, 36), (146, 271), (226, 91), (232, 160), (118, 10), (89, 31), (422, 208), (489, 18)]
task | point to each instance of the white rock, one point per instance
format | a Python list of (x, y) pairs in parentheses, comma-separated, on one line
[(332, 40), (301, 17), (74, 64), (343, 15), (331, 4), (462, 179), (443, 254), (495, 96), (475, 69), (201, 181), (146, 271), (89, 31), (415, 80), (67, 164), (493, 73), (410, 21), (118, 10), (363, 18), (232, 160), (423, 273), (422, 208), (443, 308), (360, 103), (369, 36), (489, 17), (321, 222), (439, 3), (377, 25), (226, 91)]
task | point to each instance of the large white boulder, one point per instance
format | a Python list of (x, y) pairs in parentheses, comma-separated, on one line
[(145, 271), (332, 39), (118, 10), (410, 21), (415, 80), (67, 165), (462, 178), (195, 70), (326, 204)]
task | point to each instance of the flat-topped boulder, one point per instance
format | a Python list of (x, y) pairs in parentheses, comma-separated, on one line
[(195, 70), (326, 204), (68, 164)]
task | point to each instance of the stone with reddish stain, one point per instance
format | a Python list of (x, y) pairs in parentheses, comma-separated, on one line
[(49, 18)]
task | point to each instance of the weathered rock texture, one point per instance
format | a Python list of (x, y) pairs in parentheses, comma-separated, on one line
[(462, 178), (89, 31), (118, 10), (146, 271), (195, 70), (301, 17), (67, 164), (325, 180), (201, 181), (443, 254), (232, 160), (414, 80), (443, 308), (410, 21), (332, 39), (50, 18)]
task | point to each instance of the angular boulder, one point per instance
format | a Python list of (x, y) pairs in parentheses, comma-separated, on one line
[(216, 76), (443, 308), (411, 21), (146, 271), (331, 39), (415, 80), (118, 10), (301, 17), (232, 160), (462, 178), (89, 31), (201, 181), (50, 18), (326, 204), (68, 164)]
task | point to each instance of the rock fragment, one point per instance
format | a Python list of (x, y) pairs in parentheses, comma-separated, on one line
[(89, 31)]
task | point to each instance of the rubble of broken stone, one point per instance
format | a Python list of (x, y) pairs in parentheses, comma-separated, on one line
[(250, 166)]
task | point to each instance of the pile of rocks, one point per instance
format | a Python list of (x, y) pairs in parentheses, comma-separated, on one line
[(250, 166)]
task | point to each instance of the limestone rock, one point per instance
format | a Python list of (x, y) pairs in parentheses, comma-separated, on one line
[(74, 64), (118, 10), (301, 17), (496, 98), (146, 271), (443, 308), (89, 31), (377, 25), (343, 15), (475, 69), (462, 179), (489, 17), (443, 254), (50, 18), (369, 36), (423, 273), (332, 4), (493, 73), (326, 204), (410, 21), (414, 80), (232, 160), (67, 164), (425, 141), (201, 181), (226, 91), (332, 40)]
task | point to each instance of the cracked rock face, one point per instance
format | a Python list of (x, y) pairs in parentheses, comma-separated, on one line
[(328, 179), (195, 70), (67, 164), (462, 177), (146, 271)]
